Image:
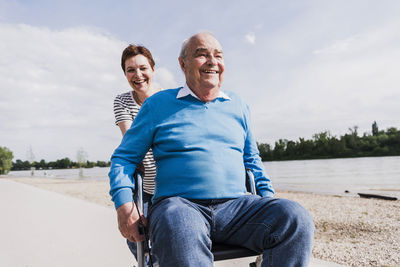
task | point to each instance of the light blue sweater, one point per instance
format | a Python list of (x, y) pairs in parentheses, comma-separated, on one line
[(201, 149)]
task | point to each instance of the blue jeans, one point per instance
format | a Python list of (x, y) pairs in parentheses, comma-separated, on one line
[(146, 205), (182, 231)]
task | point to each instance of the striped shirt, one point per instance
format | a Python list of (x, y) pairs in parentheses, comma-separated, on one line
[(126, 109)]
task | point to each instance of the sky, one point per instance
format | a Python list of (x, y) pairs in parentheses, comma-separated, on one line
[(303, 67)]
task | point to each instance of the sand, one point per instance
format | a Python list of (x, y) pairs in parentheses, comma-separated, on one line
[(349, 230)]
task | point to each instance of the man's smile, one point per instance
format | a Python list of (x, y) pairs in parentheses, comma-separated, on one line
[(210, 71)]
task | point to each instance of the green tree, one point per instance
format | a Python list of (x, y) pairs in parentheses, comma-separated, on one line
[(291, 150), (101, 163), (6, 157), (321, 144), (64, 163), (90, 164), (42, 164), (21, 165), (279, 149), (368, 143), (375, 130), (325, 145), (305, 148), (265, 151)]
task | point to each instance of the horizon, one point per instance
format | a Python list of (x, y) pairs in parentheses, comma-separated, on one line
[(351, 129)]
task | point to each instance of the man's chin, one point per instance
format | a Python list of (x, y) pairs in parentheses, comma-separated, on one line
[(211, 85)]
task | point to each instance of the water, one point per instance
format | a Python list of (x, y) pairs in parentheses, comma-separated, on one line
[(95, 173), (377, 175)]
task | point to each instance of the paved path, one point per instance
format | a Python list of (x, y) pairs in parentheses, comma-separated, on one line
[(39, 228)]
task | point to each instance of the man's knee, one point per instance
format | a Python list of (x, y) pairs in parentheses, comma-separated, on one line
[(295, 218)]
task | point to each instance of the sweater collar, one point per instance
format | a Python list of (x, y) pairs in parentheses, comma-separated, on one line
[(185, 90)]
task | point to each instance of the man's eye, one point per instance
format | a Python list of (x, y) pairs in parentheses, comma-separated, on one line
[(143, 68)]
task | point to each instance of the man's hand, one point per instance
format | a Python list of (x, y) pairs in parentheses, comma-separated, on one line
[(128, 222)]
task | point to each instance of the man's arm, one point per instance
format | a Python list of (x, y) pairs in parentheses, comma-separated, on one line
[(253, 161), (135, 143)]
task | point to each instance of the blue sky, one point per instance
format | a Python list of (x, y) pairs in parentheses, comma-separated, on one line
[(302, 66)]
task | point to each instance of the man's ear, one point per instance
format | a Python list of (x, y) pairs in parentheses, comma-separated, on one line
[(181, 63)]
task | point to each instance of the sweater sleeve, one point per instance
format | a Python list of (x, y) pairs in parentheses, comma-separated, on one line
[(253, 161), (135, 143)]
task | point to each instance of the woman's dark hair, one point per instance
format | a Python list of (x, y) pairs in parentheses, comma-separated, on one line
[(134, 50)]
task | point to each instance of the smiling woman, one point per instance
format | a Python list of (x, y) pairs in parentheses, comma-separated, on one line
[(139, 67)]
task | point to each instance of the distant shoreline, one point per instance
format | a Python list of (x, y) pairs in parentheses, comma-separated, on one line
[(345, 190)]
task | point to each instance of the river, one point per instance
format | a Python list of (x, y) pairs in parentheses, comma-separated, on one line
[(376, 175)]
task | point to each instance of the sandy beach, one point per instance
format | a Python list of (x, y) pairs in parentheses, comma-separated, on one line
[(350, 231)]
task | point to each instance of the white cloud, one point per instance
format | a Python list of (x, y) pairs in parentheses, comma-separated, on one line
[(314, 67), (250, 38), (164, 78), (352, 81), (57, 91)]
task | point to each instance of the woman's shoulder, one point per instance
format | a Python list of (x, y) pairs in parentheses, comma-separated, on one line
[(127, 96), (125, 99)]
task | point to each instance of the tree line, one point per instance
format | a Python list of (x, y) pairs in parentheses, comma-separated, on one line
[(64, 163), (324, 145)]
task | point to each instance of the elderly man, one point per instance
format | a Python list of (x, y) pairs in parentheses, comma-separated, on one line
[(202, 143)]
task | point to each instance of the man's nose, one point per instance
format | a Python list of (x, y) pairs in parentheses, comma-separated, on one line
[(211, 60)]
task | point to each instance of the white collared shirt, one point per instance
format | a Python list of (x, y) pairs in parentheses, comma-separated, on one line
[(185, 90)]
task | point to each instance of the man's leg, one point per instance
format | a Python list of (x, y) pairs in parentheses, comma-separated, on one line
[(280, 229), (179, 231)]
